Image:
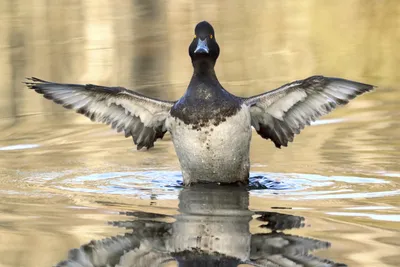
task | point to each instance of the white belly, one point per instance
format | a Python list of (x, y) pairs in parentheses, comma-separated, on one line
[(214, 153)]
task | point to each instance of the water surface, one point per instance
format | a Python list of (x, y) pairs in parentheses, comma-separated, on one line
[(331, 197)]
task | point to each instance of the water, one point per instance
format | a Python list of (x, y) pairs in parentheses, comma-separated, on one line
[(331, 197)]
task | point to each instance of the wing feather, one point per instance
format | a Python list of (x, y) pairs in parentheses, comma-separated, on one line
[(138, 116), (281, 113)]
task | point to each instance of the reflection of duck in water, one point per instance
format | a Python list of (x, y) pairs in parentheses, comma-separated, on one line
[(212, 229)]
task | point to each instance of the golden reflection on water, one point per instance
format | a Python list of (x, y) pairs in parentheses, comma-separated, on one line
[(142, 45)]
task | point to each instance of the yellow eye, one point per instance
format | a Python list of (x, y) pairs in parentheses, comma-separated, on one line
[(195, 36), (211, 36)]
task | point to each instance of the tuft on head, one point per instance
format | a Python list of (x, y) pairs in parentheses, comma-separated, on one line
[(204, 29)]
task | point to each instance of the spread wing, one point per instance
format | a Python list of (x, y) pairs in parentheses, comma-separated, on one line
[(281, 113), (138, 116)]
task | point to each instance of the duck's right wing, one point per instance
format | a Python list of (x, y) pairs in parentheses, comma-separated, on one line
[(139, 116)]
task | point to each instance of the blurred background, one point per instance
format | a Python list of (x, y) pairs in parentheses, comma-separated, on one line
[(143, 44), (53, 160)]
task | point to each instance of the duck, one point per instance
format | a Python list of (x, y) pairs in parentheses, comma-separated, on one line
[(211, 129)]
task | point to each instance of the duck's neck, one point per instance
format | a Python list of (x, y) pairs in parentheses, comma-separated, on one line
[(203, 71)]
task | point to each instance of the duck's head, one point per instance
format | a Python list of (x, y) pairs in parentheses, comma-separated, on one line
[(204, 47)]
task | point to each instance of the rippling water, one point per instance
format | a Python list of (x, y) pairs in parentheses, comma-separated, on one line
[(75, 193)]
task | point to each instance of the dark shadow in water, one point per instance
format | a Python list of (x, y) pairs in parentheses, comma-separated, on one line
[(256, 182), (211, 229)]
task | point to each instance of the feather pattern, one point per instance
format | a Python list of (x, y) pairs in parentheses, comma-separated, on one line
[(281, 113), (138, 116)]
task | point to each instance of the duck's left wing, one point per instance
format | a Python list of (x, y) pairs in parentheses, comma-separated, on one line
[(281, 113), (139, 116)]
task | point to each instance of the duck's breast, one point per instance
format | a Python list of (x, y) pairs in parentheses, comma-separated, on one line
[(216, 151)]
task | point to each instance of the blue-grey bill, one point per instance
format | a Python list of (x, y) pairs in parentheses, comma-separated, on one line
[(201, 47)]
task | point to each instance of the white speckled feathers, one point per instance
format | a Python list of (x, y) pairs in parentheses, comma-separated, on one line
[(213, 152)]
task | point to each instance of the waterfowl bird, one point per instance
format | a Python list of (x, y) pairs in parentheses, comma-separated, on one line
[(211, 128)]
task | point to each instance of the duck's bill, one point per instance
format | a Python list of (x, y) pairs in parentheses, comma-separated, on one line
[(202, 47)]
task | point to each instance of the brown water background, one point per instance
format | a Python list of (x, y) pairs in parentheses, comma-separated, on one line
[(58, 170)]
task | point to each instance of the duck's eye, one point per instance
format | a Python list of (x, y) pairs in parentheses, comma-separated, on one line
[(211, 36)]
